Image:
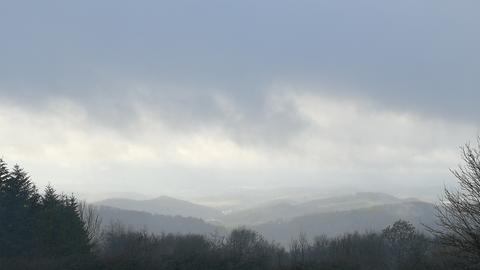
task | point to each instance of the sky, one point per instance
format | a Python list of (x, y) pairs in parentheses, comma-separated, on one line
[(197, 97)]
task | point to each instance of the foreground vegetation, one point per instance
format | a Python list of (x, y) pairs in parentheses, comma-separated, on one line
[(53, 231), (397, 247)]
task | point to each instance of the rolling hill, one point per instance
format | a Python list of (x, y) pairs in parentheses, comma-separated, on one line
[(336, 223), (286, 209), (164, 206), (154, 223), (279, 220)]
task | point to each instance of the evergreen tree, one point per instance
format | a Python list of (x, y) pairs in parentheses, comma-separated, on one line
[(76, 233), (61, 229), (48, 220), (4, 173), (32, 225), (19, 202)]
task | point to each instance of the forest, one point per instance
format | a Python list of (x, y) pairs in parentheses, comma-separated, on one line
[(51, 230)]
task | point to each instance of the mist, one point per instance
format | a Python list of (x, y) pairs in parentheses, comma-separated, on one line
[(202, 98), (280, 122)]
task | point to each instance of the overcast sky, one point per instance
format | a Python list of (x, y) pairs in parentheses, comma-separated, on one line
[(188, 97)]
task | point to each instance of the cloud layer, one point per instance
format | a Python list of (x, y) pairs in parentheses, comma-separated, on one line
[(189, 94), (298, 138)]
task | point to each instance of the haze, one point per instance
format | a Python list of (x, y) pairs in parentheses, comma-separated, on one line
[(197, 99)]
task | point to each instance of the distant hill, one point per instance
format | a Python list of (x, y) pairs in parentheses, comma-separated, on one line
[(285, 209), (165, 206), (154, 223), (279, 220), (336, 223)]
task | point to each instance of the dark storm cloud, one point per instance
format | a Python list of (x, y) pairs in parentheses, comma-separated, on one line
[(408, 55)]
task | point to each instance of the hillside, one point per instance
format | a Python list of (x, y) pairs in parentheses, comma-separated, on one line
[(279, 220), (373, 218), (283, 210), (154, 223), (164, 206)]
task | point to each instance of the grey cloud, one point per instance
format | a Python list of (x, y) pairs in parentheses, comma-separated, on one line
[(409, 55), (182, 108)]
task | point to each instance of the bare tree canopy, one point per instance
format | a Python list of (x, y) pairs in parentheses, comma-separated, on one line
[(91, 219), (459, 210)]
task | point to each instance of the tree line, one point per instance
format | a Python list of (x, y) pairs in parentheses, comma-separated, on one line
[(39, 227), (50, 230)]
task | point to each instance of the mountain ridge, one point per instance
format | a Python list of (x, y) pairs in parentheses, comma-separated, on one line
[(336, 223), (164, 205), (285, 209)]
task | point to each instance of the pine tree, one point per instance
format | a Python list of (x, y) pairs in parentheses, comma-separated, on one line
[(61, 229), (48, 221), (40, 227), (4, 174), (21, 189), (78, 240), (19, 202), (50, 199)]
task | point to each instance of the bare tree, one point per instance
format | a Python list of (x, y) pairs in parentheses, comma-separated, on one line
[(459, 211), (91, 219), (299, 250)]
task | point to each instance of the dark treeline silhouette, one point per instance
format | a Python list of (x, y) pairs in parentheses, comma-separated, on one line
[(49, 230), (38, 229), (398, 247)]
